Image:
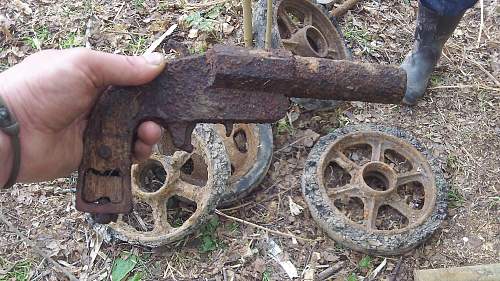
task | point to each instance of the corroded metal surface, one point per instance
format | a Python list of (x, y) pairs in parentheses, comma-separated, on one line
[(306, 31), (228, 84), (413, 189), (166, 176)]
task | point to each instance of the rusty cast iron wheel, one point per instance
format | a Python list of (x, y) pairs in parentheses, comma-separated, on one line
[(374, 189), (169, 201), (306, 30), (301, 27), (250, 149)]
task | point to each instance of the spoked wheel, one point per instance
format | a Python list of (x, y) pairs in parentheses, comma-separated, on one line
[(170, 201), (250, 149), (374, 189), (306, 30)]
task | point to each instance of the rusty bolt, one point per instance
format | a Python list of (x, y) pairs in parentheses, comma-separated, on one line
[(104, 152)]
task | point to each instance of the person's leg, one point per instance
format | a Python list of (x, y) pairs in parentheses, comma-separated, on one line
[(436, 21)]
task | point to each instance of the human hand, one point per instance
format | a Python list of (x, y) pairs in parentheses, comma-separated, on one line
[(51, 94)]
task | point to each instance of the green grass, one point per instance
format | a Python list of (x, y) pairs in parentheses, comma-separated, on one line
[(283, 126), (40, 36), (365, 262), (137, 45), (199, 47), (359, 36), (266, 275), (436, 80), (233, 227), (129, 267), (204, 21), (138, 3), (69, 41), (352, 277), (209, 240), (455, 198), (19, 272)]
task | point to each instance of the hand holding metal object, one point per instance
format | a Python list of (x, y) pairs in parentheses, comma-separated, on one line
[(226, 85)]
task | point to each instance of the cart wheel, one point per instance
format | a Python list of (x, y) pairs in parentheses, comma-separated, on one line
[(170, 201), (374, 189)]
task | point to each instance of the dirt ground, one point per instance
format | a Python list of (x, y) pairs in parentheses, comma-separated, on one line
[(458, 121)]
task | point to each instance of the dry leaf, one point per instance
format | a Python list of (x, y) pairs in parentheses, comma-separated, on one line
[(295, 209), (23, 7)]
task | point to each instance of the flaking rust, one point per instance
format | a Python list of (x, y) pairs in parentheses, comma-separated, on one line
[(226, 85)]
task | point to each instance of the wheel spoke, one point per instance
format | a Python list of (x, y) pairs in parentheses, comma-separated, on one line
[(344, 162), (179, 158), (160, 216), (370, 212), (377, 152), (344, 191), (289, 43), (398, 204), (332, 53), (308, 18), (142, 196), (410, 177), (282, 14), (188, 190)]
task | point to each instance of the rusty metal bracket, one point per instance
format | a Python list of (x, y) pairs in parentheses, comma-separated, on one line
[(226, 85)]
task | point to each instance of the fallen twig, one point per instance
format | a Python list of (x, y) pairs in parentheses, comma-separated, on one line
[(258, 202), (191, 6), (342, 9), (158, 41), (289, 235), (465, 86), (481, 25), (487, 73), (327, 273), (33, 245)]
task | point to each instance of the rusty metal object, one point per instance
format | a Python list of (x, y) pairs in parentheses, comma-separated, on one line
[(306, 31), (250, 149), (384, 194), (161, 179), (226, 85)]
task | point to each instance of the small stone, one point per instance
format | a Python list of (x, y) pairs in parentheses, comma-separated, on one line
[(227, 28), (193, 33)]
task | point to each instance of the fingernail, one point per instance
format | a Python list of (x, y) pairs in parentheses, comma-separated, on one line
[(154, 58)]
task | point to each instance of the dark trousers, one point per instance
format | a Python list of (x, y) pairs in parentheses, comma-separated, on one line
[(448, 7)]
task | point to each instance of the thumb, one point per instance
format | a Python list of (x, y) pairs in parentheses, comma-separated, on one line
[(110, 69)]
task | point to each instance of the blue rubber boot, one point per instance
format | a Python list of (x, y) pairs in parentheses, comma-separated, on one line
[(432, 32)]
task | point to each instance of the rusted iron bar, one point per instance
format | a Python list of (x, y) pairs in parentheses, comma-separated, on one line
[(227, 85), (306, 77)]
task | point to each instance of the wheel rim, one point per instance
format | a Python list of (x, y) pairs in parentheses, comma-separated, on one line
[(377, 183), (342, 175)]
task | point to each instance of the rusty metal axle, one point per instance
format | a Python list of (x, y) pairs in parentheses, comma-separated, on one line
[(226, 85)]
